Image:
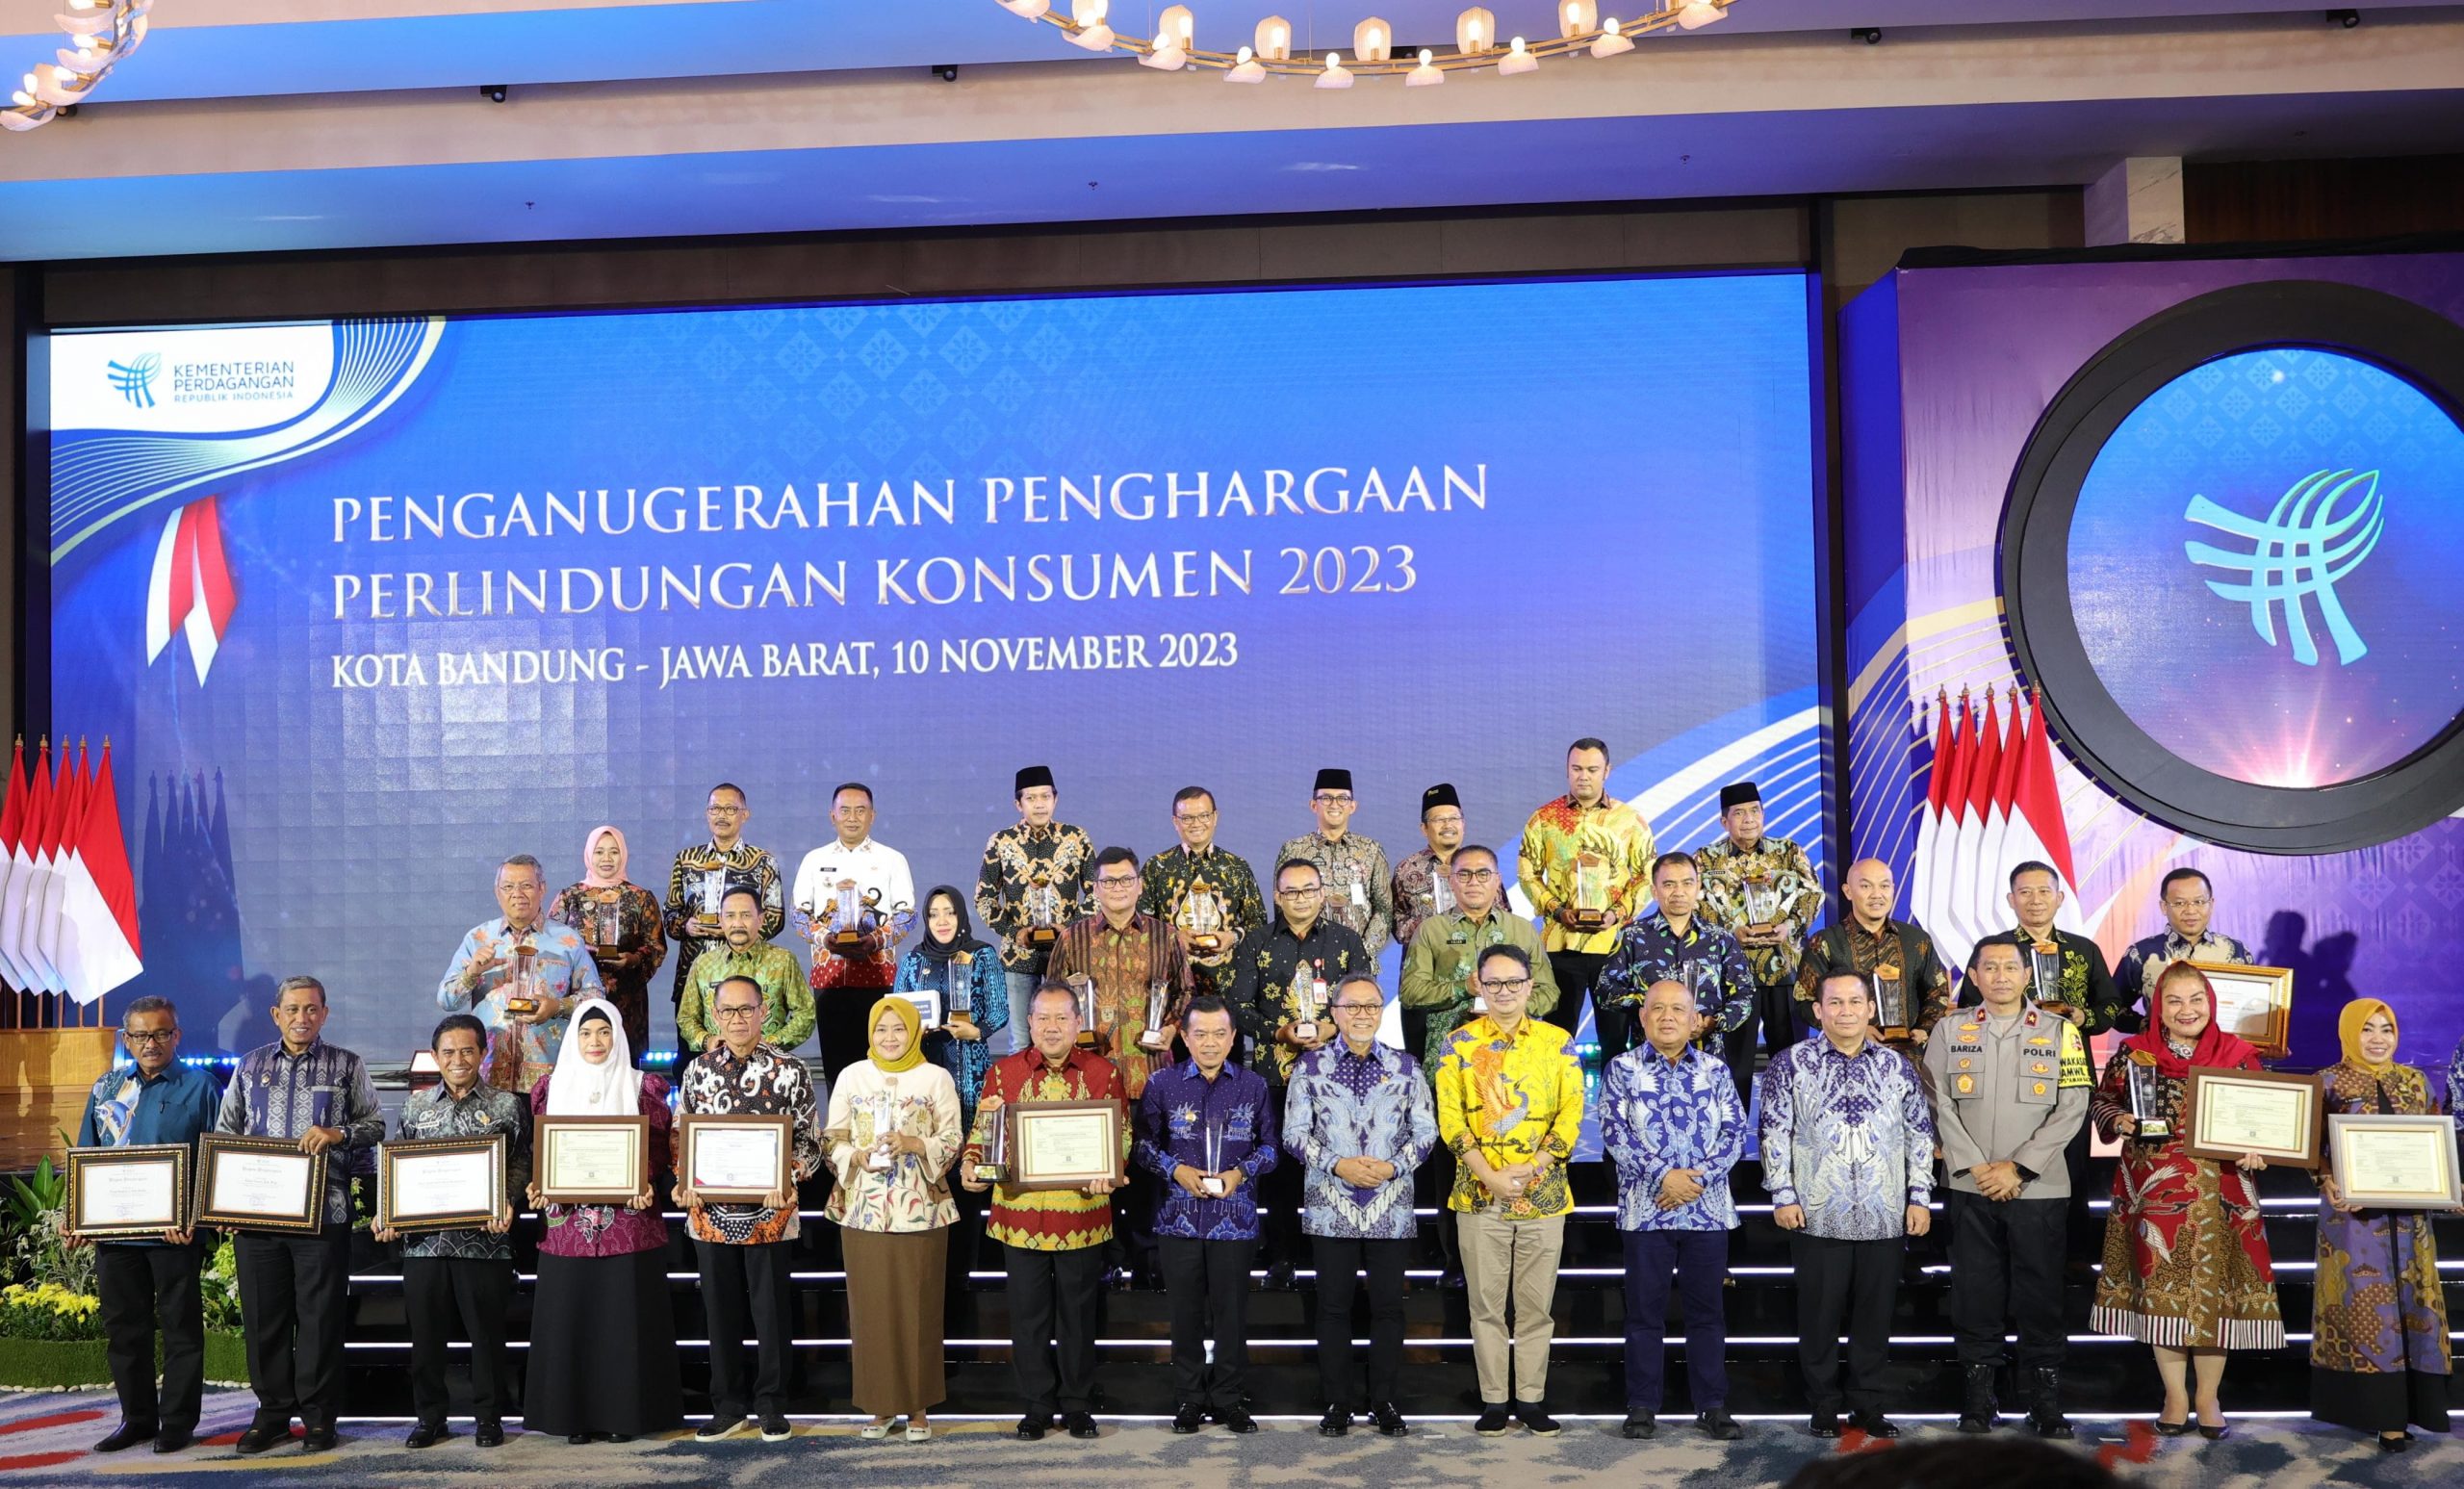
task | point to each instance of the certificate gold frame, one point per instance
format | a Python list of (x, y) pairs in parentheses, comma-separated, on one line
[(217, 1148), (1054, 1168), (559, 1186), (85, 1169), (389, 1217), (694, 1128), (2294, 1114), (2425, 1145), (2254, 1003)]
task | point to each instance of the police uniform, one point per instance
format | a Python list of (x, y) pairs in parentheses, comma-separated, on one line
[(2013, 1092)]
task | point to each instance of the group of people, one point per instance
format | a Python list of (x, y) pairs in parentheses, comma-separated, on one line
[(1268, 1119)]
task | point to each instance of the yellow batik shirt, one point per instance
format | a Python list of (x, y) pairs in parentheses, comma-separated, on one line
[(1514, 1097)]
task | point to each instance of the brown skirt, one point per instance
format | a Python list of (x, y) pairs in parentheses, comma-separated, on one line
[(894, 1285)]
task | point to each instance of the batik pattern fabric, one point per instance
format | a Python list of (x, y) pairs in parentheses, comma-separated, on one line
[(867, 1103), (486, 1112), (1360, 884), (1513, 1097), (1048, 1220), (1439, 964), (1776, 869), (1657, 1115), (1016, 860), (1707, 959), (1849, 946), (1140, 980), (1556, 836), (2186, 1261), (768, 1083), (1421, 889), (2085, 982), (1848, 1137), (519, 1055), (1264, 970), (698, 880), (2136, 971), (977, 985), (275, 1093), (1173, 876), (786, 1002), (1342, 1105), (2379, 1308), (627, 934), (1180, 1115), (613, 1230)]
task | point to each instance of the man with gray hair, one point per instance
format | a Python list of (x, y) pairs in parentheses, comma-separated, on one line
[(519, 973)]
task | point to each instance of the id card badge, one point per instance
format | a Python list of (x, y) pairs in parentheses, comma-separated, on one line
[(1359, 895)]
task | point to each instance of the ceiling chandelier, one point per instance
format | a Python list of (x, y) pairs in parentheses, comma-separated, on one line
[(101, 33), (1580, 28)]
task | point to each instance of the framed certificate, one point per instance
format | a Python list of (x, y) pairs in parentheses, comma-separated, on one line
[(735, 1158), (127, 1191), (439, 1183), (1063, 1144), (590, 1160), (2395, 1163), (2230, 1112), (2253, 1002), (259, 1184)]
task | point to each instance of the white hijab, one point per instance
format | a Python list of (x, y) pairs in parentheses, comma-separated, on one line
[(577, 1087)]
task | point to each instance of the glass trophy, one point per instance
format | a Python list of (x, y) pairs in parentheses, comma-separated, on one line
[(1211, 1146), (883, 1104), (2146, 1103), (1044, 910), (2044, 971), (1440, 894), (523, 988), (958, 993), (1591, 890), (1891, 1000), (1203, 917), (604, 925), (714, 890), (1086, 989), (1308, 1000), (1478, 1006), (846, 920), (1703, 980), (992, 1160), (1150, 1039), (1761, 902)]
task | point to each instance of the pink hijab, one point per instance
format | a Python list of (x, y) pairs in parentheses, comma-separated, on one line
[(590, 874)]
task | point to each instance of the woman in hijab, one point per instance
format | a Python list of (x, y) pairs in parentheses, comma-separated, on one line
[(964, 974), (2185, 1257), (619, 921), (890, 1137), (2378, 1354), (602, 1334)]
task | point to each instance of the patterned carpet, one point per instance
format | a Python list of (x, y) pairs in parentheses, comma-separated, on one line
[(46, 1439)]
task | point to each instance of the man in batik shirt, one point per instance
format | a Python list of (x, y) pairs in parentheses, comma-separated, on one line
[(698, 880), (788, 1021), (1871, 941), (2189, 901), (1206, 895), (1672, 940), (1359, 885), (1422, 887), (2085, 991), (1763, 891), (1586, 866), (743, 1247), (1034, 882), (518, 973)]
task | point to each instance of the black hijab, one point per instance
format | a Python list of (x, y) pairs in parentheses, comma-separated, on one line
[(964, 940)]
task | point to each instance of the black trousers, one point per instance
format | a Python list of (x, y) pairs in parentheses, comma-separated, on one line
[(1577, 972), (1055, 1297), (1850, 1282), (1340, 1262), (1784, 1017), (437, 1290), (1279, 1195), (143, 1288), (1736, 1052), (746, 1288), (293, 1292), (2006, 1260), (1207, 1283)]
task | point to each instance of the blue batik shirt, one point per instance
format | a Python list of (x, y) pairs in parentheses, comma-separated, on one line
[(1848, 1136), (275, 1093), (129, 1108), (1344, 1105), (1656, 1114), (1180, 1107), (1707, 959)]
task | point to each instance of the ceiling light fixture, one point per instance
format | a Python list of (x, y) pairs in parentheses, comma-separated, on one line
[(1376, 50), (101, 34)]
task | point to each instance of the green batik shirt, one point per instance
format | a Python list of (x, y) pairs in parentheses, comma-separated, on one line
[(1438, 968), (786, 999)]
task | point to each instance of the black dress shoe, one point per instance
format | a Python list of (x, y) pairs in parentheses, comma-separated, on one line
[(1494, 1421), (128, 1434), (1718, 1425), (1824, 1424), (620, 1437), (1873, 1424), (1281, 1277), (1237, 1422), (488, 1434), (257, 1439), (1390, 1421), (1080, 1425), (1031, 1427), (1640, 1429), (426, 1434), (1451, 1280), (318, 1440), (173, 1439), (1536, 1419), (2396, 1444), (2216, 1433), (580, 1438), (1188, 1420), (1335, 1423)]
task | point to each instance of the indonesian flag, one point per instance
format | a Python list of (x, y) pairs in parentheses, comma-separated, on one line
[(1991, 889), (2036, 828), (30, 866), (192, 588), (1928, 818), (67, 812), (1933, 903), (12, 821), (98, 912), (1969, 923)]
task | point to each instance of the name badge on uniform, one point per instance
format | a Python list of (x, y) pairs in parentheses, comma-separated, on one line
[(1359, 895)]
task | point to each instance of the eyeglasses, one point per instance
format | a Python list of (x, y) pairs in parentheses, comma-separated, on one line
[(2188, 904), (742, 1013), (1508, 985), (163, 1036), (1333, 798), (1472, 876), (1359, 1008), (717, 810), (1193, 818), (1115, 881), (1310, 892)]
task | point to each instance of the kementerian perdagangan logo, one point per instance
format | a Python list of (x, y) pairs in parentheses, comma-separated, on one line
[(2312, 539), (135, 377)]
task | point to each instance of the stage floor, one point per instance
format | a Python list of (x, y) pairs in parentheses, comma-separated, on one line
[(46, 1438)]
